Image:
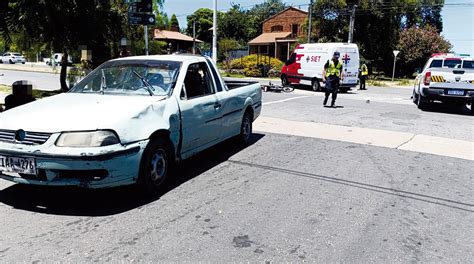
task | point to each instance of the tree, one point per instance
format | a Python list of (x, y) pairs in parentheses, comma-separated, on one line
[(260, 12), (204, 21), (234, 24), (225, 46), (416, 45), (67, 25), (174, 23)]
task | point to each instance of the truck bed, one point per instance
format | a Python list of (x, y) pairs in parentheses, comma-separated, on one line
[(233, 84)]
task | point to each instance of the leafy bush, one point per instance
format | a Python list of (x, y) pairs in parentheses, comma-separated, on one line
[(252, 65)]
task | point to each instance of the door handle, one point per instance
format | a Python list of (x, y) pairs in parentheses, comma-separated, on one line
[(217, 105)]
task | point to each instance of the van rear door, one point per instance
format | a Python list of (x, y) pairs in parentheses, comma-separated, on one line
[(350, 62)]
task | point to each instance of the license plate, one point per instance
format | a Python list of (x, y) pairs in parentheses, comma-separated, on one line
[(455, 92), (18, 165)]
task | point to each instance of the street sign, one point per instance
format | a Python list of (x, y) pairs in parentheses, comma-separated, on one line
[(395, 52), (144, 6), (141, 19)]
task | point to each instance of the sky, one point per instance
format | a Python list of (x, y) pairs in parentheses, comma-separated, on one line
[(458, 21)]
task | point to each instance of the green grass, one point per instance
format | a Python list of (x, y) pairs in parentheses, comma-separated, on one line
[(233, 75), (36, 93), (376, 83), (5, 89)]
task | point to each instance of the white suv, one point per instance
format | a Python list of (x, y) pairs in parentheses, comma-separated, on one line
[(13, 57)]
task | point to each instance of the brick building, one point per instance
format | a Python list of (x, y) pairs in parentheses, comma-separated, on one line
[(279, 32)]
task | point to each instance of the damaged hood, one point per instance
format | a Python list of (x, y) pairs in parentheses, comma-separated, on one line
[(79, 112)]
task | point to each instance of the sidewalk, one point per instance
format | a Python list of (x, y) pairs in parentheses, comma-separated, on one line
[(30, 67)]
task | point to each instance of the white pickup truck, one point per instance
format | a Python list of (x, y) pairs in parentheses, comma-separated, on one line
[(448, 79), (125, 123)]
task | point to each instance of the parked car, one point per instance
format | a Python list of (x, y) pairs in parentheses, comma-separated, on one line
[(305, 65), (13, 57), (446, 78), (57, 58), (126, 123)]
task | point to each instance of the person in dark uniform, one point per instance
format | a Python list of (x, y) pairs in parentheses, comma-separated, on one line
[(332, 75)]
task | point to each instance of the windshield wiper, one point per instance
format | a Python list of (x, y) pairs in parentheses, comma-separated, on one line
[(103, 84), (146, 83)]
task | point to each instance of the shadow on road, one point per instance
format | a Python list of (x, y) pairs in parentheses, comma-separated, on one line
[(84, 202), (448, 109)]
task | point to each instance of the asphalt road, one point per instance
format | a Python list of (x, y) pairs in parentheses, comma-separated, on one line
[(284, 198), (40, 80)]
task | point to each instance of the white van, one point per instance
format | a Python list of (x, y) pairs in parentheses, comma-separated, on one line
[(306, 63)]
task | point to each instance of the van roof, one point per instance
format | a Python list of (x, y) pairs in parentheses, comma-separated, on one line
[(330, 44)]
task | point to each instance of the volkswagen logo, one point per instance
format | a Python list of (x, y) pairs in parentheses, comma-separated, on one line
[(20, 135)]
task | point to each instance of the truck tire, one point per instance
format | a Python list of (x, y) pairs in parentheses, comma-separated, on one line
[(472, 108), (155, 169), (284, 80), (315, 85), (421, 102), (414, 97), (246, 128)]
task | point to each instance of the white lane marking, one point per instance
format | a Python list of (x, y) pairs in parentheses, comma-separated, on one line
[(285, 100), (368, 136)]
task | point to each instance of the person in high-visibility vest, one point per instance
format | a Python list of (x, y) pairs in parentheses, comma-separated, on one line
[(332, 75), (364, 73)]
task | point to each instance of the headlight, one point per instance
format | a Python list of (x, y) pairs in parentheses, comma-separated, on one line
[(87, 139)]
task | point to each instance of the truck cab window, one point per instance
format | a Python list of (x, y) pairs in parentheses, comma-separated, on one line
[(436, 64), (198, 81)]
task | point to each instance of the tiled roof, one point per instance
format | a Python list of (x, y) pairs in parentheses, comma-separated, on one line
[(172, 35), (269, 37)]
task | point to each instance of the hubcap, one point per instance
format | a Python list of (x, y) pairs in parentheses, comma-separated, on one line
[(158, 166), (246, 128)]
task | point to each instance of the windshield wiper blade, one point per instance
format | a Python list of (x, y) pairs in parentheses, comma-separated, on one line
[(103, 84), (146, 83)]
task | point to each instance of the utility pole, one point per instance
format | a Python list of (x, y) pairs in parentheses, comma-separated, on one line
[(310, 20), (194, 36), (351, 24), (146, 39), (214, 33)]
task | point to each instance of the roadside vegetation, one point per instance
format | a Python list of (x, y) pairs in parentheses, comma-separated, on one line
[(38, 94)]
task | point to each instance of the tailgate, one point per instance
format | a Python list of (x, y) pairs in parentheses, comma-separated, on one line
[(452, 78)]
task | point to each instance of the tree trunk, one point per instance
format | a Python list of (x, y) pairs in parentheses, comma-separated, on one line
[(63, 74)]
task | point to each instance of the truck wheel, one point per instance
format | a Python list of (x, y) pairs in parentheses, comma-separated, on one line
[(155, 168), (472, 108), (420, 102), (284, 81), (246, 128), (315, 85)]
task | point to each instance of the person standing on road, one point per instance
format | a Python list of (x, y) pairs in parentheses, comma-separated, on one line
[(364, 73), (332, 75)]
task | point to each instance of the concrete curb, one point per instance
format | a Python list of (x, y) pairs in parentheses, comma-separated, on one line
[(28, 68)]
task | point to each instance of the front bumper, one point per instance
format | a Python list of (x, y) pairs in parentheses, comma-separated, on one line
[(441, 94), (106, 167)]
